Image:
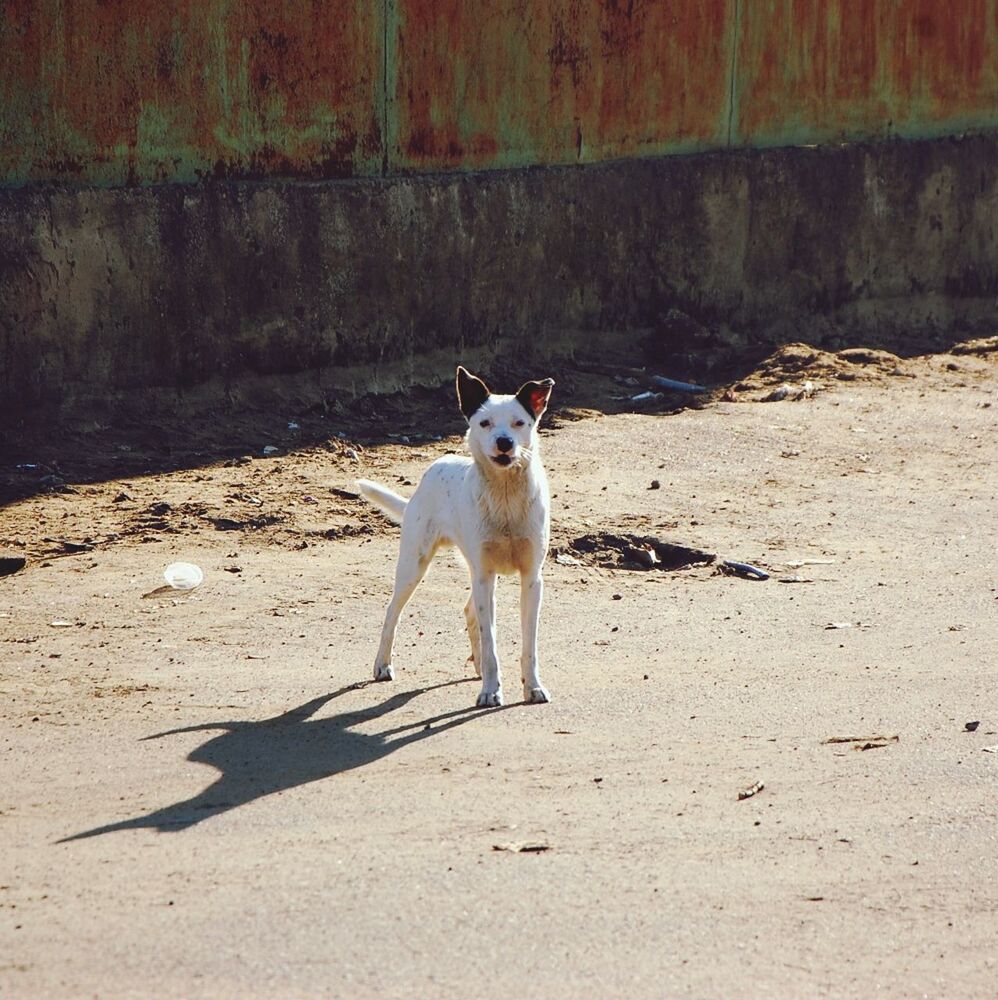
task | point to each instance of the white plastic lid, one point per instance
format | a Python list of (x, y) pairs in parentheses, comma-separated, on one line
[(183, 576)]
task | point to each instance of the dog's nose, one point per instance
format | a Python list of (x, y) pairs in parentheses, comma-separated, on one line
[(504, 444)]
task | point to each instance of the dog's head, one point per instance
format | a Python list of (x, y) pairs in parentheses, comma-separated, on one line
[(502, 430)]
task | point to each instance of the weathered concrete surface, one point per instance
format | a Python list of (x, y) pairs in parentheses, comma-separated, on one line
[(109, 290)]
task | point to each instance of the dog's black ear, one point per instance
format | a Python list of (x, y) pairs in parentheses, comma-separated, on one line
[(534, 396), (471, 392)]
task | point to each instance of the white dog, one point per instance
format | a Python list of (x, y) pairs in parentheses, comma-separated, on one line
[(495, 507)]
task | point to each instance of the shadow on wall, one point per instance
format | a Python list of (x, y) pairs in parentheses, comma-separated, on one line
[(273, 755)]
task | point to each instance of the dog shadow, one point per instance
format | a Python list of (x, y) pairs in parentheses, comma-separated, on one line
[(259, 758)]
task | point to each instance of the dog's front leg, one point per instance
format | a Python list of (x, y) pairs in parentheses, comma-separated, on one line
[(531, 593), (483, 593)]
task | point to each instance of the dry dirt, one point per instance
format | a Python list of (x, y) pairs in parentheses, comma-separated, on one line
[(203, 797)]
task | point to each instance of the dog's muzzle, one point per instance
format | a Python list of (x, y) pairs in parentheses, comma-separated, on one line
[(504, 445)]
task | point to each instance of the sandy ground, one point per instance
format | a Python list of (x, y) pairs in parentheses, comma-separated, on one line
[(202, 796)]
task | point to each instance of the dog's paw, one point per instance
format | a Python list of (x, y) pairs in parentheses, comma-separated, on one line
[(489, 699), (384, 672), (536, 695), (474, 665)]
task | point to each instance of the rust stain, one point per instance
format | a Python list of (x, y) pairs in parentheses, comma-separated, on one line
[(814, 70), (949, 56), (482, 83), (112, 92), (118, 92)]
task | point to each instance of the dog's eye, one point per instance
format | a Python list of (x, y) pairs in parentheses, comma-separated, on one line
[(485, 423), (519, 423)]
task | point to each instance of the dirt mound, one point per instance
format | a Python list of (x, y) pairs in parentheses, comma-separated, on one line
[(982, 345), (795, 364)]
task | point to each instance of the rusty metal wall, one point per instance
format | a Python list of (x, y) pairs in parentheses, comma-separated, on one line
[(825, 70), (486, 83), (116, 92), (113, 91)]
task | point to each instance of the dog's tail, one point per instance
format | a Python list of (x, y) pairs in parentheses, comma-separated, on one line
[(384, 499)]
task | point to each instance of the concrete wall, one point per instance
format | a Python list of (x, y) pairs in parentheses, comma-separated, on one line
[(155, 230), (113, 92), (106, 290)]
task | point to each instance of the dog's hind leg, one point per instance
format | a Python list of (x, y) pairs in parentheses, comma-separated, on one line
[(415, 553), (531, 592), (471, 619), (483, 594)]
